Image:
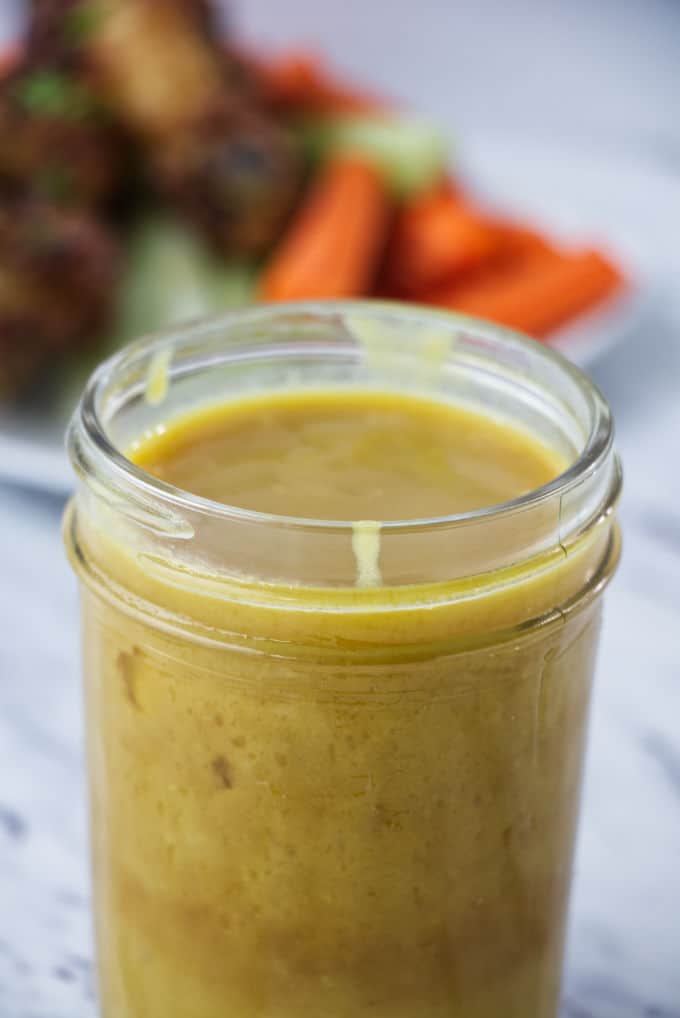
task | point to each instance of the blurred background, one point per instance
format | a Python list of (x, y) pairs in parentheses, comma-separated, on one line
[(602, 73), (556, 118)]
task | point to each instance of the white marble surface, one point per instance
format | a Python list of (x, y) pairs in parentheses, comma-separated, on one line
[(624, 954)]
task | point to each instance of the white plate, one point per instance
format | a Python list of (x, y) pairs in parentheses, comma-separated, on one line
[(629, 207)]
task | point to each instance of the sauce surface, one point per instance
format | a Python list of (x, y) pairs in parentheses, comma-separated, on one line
[(356, 455)]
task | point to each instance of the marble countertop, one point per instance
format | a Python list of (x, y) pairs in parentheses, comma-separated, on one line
[(624, 947)]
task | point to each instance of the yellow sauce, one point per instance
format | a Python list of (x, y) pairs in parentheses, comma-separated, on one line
[(339, 455), (320, 803), (158, 379), (366, 548)]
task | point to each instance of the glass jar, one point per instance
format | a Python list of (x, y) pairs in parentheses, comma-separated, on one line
[(311, 797)]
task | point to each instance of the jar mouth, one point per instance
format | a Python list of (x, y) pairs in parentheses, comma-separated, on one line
[(92, 446)]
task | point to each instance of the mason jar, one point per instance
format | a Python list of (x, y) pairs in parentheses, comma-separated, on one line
[(312, 797)]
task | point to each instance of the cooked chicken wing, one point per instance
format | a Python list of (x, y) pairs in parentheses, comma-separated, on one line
[(209, 148), (58, 271)]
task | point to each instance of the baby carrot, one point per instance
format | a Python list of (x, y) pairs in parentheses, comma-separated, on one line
[(335, 241), (517, 241), (536, 294), (436, 237)]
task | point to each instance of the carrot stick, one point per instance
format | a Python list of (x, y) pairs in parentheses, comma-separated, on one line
[(436, 236), (333, 245), (536, 294), (518, 241), (298, 83)]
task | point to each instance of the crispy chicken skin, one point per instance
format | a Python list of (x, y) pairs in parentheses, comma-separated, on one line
[(233, 175), (58, 271)]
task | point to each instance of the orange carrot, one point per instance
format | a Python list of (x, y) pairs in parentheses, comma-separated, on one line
[(334, 243), (535, 294), (518, 241), (436, 236), (299, 83)]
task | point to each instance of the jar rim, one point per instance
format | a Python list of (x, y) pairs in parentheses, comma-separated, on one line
[(87, 422)]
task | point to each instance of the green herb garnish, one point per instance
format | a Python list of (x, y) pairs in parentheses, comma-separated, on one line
[(81, 21), (53, 94)]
